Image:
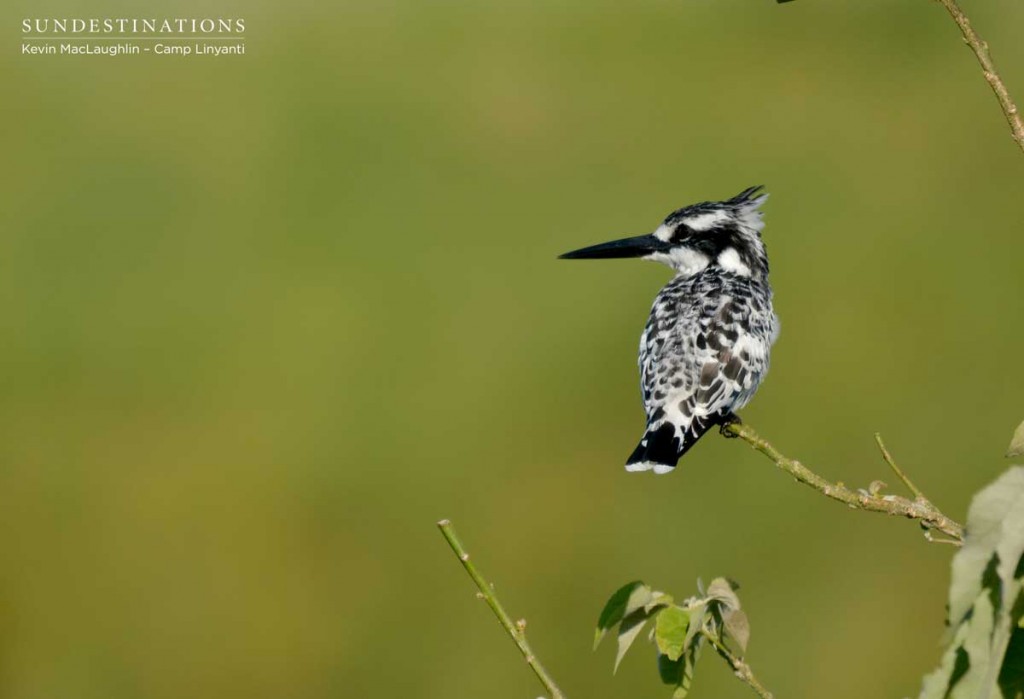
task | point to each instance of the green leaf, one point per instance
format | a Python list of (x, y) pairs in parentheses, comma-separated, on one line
[(976, 649), (684, 687), (628, 631), (1017, 443), (679, 672), (738, 628), (670, 671), (623, 601), (936, 684), (1011, 676), (995, 524), (724, 591), (670, 631), (658, 599), (986, 600), (697, 615), (638, 600)]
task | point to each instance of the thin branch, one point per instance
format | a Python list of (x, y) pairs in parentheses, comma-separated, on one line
[(738, 665), (922, 510), (988, 69), (899, 472), (516, 630), (938, 540)]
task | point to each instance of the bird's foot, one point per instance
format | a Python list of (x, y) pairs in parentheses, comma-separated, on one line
[(729, 419)]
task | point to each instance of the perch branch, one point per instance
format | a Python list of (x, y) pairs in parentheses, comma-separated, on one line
[(920, 509), (988, 69), (738, 665), (516, 630)]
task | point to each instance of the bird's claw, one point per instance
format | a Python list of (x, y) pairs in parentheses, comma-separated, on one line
[(730, 419)]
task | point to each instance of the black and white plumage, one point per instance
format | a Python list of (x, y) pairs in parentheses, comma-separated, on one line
[(705, 348)]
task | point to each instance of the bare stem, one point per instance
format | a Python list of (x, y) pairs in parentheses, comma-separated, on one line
[(988, 69), (920, 509), (516, 630), (899, 472), (738, 665)]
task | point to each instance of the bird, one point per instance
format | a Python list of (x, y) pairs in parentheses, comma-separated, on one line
[(705, 348)]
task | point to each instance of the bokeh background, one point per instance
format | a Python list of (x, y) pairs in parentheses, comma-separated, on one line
[(266, 319)]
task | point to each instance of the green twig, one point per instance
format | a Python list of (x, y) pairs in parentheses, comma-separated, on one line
[(921, 509), (988, 69), (516, 630), (738, 665)]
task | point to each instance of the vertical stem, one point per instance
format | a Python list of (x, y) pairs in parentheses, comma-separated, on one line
[(516, 630)]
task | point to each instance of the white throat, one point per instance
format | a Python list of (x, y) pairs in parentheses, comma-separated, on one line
[(683, 260)]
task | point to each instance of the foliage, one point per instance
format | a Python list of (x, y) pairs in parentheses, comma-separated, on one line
[(1017, 443), (678, 631), (984, 658)]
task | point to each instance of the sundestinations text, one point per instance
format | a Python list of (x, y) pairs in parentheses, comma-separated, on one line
[(54, 26)]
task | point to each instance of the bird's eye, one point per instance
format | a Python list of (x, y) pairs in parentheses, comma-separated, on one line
[(681, 233)]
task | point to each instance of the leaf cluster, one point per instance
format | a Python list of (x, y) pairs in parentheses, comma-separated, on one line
[(984, 658), (678, 630)]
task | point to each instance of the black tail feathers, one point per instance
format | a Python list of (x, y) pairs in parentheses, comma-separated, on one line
[(661, 448)]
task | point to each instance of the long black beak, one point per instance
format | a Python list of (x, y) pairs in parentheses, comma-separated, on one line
[(639, 246)]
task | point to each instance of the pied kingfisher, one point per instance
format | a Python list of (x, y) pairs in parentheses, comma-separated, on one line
[(705, 348)]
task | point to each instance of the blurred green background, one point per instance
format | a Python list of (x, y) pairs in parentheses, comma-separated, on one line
[(266, 319)]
